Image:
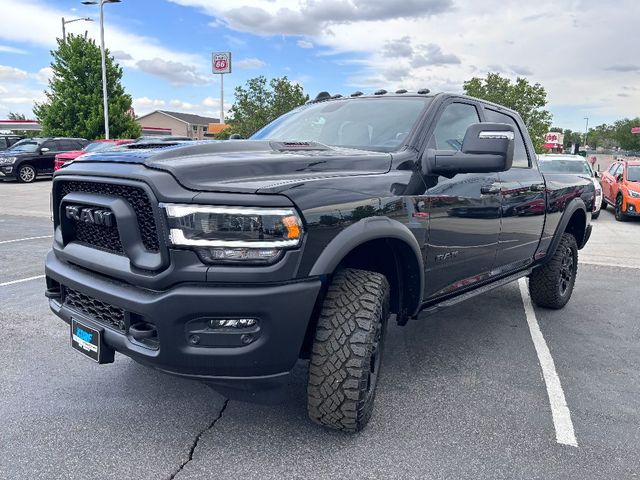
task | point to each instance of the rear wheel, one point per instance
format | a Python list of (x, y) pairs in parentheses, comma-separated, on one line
[(620, 216), (551, 285), (26, 173), (347, 350), (595, 215)]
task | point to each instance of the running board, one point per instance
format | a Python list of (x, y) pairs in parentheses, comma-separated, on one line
[(450, 302)]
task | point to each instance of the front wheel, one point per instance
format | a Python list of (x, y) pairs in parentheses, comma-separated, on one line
[(594, 216), (604, 204), (347, 350), (620, 216), (551, 285), (26, 173)]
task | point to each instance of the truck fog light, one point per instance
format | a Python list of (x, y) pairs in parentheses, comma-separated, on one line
[(239, 255), (232, 322)]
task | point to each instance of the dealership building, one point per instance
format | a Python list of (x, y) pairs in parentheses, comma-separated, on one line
[(164, 122)]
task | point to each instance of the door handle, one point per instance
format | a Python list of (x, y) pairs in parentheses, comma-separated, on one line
[(538, 187), (490, 189)]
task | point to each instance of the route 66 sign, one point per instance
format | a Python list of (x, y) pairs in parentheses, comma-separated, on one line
[(221, 62)]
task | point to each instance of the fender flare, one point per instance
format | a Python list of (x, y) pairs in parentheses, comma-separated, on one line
[(371, 228), (573, 206)]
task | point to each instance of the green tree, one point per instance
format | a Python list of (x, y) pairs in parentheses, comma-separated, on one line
[(526, 99), (74, 100), (259, 102), (622, 134), (26, 133), (602, 136)]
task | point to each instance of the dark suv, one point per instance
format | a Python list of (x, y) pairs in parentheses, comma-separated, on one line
[(228, 261), (30, 157)]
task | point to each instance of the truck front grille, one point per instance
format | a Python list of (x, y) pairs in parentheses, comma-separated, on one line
[(95, 309), (106, 238), (99, 236)]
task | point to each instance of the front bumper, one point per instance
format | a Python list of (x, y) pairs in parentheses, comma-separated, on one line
[(7, 172), (631, 206), (283, 311)]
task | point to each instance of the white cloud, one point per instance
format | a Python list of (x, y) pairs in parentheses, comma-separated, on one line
[(175, 73), (182, 105), (12, 73), (304, 44), (44, 75), (211, 102), (8, 49), (249, 64)]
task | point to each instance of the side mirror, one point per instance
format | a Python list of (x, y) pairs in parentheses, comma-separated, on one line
[(235, 136), (619, 177), (487, 147), (44, 150), (596, 174)]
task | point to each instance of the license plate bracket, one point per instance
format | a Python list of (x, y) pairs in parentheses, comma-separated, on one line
[(90, 342)]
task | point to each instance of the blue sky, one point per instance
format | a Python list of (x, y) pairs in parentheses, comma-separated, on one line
[(339, 46)]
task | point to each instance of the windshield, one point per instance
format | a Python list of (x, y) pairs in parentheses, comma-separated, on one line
[(633, 173), (98, 146), (379, 124), (25, 146), (565, 166)]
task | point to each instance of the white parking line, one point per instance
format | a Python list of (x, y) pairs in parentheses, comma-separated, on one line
[(608, 264), (24, 239), (559, 409), (13, 282)]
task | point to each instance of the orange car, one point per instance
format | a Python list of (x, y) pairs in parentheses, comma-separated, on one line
[(621, 188)]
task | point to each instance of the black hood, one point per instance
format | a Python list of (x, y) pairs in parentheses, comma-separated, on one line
[(250, 165)]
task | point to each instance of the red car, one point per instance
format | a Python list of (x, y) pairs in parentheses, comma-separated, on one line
[(621, 188), (96, 146)]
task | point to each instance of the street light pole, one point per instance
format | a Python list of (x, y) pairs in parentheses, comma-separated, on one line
[(64, 23), (104, 73), (586, 130), (104, 66)]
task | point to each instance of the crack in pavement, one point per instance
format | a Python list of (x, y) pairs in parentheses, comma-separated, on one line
[(197, 440)]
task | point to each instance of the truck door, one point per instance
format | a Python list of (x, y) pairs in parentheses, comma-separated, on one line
[(464, 212), (522, 192)]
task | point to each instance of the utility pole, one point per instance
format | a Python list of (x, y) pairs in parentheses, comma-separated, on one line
[(104, 66), (221, 98)]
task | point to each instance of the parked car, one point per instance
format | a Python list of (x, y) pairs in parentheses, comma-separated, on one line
[(228, 261), (563, 164), (97, 146), (7, 140), (31, 157), (621, 188)]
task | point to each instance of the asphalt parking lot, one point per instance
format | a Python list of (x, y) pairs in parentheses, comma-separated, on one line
[(462, 393)]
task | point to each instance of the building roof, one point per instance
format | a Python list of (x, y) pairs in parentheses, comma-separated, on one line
[(189, 118)]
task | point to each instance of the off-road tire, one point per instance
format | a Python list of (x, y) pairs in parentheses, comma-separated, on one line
[(551, 285), (26, 173), (620, 216), (347, 350), (604, 204)]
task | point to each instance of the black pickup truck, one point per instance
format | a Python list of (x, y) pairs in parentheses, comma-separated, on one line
[(229, 261)]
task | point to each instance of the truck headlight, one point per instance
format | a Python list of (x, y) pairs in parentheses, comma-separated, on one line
[(234, 234), (634, 194)]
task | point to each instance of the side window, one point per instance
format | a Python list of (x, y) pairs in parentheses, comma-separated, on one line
[(613, 168), (68, 145), (4, 142), (51, 145), (453, 124), (520, 157)]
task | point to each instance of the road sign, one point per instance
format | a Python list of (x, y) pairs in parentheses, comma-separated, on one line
[(221, 62)]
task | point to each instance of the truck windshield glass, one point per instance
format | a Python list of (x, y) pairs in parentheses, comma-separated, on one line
[(565, 166), (98, 146), (633, 173), (379, 124), (28, 146)]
